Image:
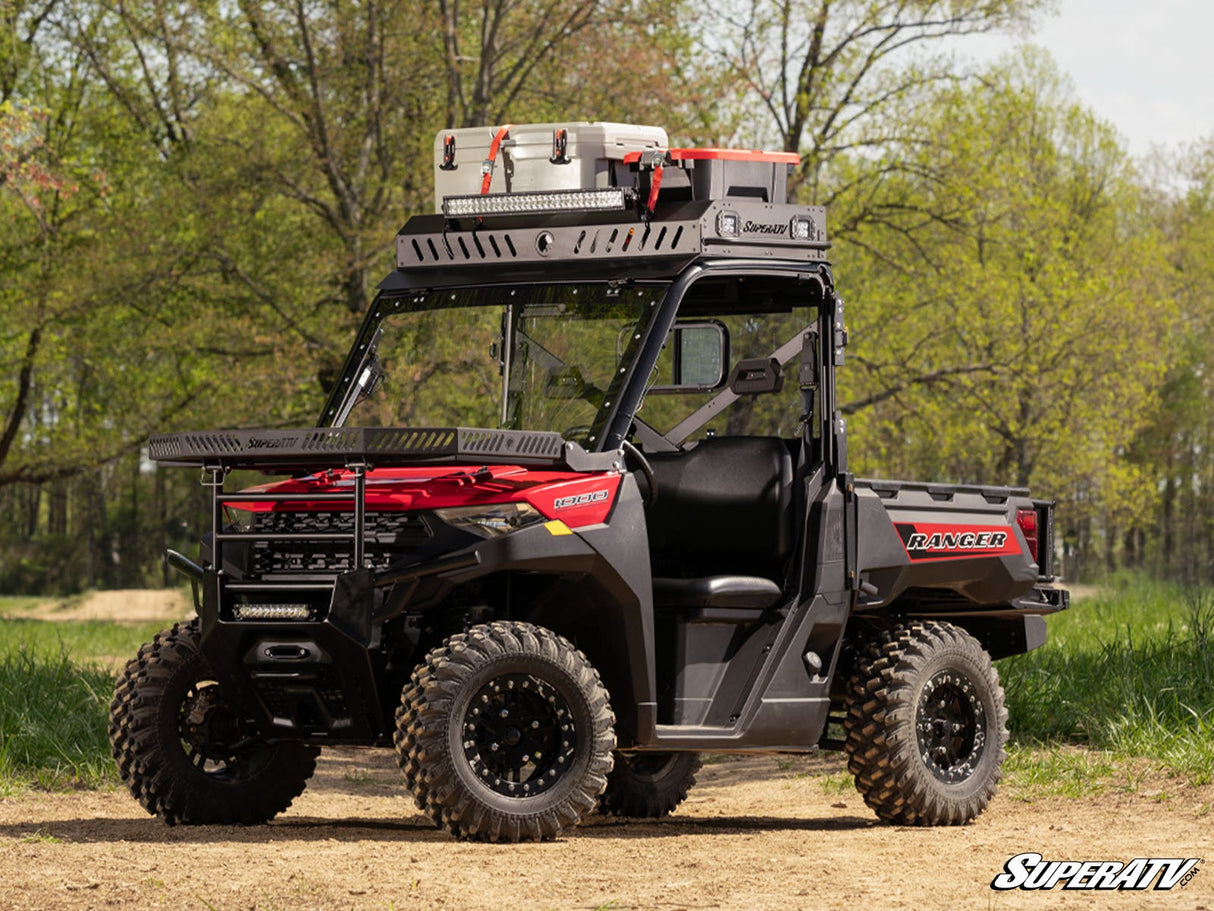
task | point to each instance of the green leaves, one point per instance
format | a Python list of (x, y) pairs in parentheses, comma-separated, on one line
[(1008, 300)]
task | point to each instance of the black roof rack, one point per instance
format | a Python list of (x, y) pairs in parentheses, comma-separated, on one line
[(314, 449), (680, 231)]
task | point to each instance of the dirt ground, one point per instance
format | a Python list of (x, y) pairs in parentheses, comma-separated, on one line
[(124, 605), (755, 833)]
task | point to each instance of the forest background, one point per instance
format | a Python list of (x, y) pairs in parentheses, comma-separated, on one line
[(197, 199)]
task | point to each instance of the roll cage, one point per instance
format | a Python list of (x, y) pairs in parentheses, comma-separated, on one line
[(777, 287)]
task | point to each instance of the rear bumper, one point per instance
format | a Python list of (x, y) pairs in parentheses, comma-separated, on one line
[(1045, 599), (1008, 629)]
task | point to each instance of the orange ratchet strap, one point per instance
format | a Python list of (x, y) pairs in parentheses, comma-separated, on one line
[(655, 184), (487, 164)]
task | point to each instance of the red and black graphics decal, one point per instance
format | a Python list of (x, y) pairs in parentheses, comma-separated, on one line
[(948, 541)]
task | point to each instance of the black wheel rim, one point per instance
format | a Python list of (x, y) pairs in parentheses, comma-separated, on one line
[(519, 735), (950, 727), (209, 733)]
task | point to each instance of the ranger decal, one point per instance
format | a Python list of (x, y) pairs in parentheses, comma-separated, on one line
[(939, 541)]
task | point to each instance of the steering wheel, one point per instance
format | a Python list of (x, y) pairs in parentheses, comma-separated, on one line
[(646, 470)]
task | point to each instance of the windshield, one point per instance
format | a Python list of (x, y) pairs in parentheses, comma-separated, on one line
[(532, 357)]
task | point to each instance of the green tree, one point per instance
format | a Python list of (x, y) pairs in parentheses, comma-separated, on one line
[(1177, 447), (834, 79), (1009, 321)]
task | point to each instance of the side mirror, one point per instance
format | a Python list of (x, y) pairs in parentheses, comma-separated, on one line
[(694, 358), (757, 376)]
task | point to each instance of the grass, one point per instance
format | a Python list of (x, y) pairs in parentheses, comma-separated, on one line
[(85, 642), (1129, 672), (20, 602), (53, 722), (56, 681), (1124, 687)]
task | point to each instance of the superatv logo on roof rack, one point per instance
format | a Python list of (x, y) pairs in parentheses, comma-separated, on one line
[(271, 443), (754, 227)]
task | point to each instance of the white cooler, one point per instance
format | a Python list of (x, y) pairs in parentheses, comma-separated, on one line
[(538, 156)]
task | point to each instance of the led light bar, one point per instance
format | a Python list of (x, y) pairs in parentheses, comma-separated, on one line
[(600, 200), (271, 611)]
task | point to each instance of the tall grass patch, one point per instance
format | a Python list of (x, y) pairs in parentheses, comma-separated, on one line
[(1129, 670), (56, 680), (53, 722)]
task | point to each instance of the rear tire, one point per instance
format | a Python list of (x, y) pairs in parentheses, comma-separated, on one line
[(180, 749), (505, 734), (926, 727), (649, 785)]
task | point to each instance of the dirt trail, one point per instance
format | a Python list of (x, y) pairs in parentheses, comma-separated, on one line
[(123, 606), (757, 833)]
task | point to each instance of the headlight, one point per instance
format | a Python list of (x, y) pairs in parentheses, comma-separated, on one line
[(491, 520)]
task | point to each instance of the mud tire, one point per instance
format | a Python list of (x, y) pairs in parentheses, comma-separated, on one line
[(505, 734), (649, 785), (925, 727), (178, 775)]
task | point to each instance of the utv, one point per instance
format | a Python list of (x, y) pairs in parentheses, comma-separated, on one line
[(648, 545)]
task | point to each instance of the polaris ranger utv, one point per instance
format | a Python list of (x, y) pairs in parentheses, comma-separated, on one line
[(577, 510)]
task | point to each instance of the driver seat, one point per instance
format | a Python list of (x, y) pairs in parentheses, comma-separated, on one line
[(721, 530)]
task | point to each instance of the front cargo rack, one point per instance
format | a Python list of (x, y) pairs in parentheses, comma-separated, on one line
[(317, 448), (308, 596)]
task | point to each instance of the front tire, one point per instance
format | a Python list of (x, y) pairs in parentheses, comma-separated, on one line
[(505, 734), (180, 748), (926, 727)]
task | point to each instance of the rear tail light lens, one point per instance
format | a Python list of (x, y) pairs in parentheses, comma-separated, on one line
[(1027, 520)]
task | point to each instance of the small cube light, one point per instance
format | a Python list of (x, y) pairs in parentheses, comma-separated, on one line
[(802, 228), (727, 224)]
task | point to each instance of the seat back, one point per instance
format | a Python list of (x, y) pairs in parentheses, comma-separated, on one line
[(725, 506)]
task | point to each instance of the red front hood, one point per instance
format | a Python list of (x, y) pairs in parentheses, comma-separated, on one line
[(576, 499)]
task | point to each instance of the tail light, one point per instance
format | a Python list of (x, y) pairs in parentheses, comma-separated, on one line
[(1027, 520)]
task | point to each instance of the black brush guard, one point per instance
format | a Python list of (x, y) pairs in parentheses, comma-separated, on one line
[(269, 662), (358, 449)]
